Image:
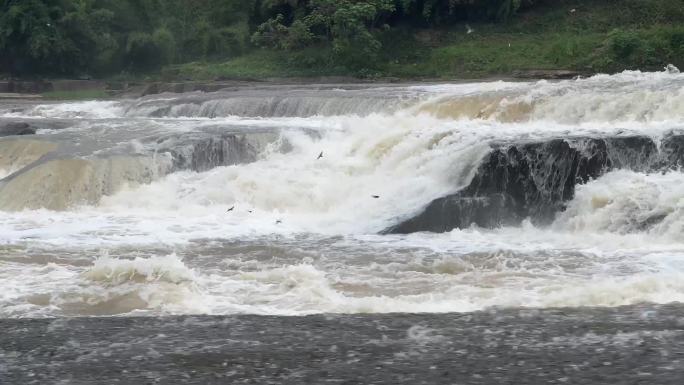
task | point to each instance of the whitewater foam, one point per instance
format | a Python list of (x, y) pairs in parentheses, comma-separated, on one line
[(625, 201), (631, 96), (114, 271), (302, 235)]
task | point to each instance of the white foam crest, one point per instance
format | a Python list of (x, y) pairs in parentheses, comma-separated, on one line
[(659, 288), (462, 271), (283, 103), (306, 289), (625, 201), (378, 155), (470, 88), (115, 271), (628, 97), (635, 103), (111, 286), (76, 110)]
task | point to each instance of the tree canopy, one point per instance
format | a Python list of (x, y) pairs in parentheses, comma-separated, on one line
[(102, 37)]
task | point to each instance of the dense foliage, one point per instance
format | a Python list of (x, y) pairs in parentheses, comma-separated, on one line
[(106, 37), (351, 25)]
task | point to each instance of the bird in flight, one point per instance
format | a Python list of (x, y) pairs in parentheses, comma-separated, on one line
[(375, 196), (320, 155), (278, 222), (231, 209)]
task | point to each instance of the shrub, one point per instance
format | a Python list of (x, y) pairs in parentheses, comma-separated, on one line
[(165, 45), (623, 43), (150, 51)]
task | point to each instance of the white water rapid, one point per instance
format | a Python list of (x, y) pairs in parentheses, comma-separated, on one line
[(217, 203)]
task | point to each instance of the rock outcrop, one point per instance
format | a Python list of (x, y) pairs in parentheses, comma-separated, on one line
[(16, 128), (203, 151), (535, 180)]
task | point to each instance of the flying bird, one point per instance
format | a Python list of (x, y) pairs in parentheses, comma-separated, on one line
[(375, 196), (469, 30), (231, 209), (278, 221), (320, 155)]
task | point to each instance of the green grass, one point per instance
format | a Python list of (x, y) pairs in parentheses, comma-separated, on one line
[(599, 36), (497, 54), (76, 95), (258, 64)]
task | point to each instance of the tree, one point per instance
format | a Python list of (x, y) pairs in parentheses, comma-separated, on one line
[(348, 24), (59, 36)]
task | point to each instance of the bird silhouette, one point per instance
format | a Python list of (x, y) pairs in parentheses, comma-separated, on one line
[(278, 221), (375, 196), (231, 209), (320, 155)]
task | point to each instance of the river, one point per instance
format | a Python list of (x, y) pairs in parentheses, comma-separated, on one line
[(276, 200)]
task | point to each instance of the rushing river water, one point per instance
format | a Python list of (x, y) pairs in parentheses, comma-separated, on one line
[(220, 203)]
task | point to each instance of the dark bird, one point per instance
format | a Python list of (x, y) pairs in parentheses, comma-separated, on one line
[(320, 155), (278, 221), (231, 209), (375, 196), (250, 211)]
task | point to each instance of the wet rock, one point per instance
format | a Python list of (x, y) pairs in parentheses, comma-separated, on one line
[(204, 151), (546, 74), (535, 180), (638, 153), (672, 152), (16, 128)]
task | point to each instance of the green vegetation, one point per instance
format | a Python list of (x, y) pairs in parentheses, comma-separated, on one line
[(255, 39)]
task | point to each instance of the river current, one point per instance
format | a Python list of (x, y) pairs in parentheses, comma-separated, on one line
[(274, 200)]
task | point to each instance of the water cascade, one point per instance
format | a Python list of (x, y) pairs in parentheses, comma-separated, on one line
[(316, 199)]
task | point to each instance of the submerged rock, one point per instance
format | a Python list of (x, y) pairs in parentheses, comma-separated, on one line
[(16, 128), (535, 180), (204, 151)]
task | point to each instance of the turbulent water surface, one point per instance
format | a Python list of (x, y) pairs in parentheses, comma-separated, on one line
[(218, 203)]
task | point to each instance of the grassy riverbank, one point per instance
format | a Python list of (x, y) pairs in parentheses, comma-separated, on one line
[(581, 36), (584, 36)]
